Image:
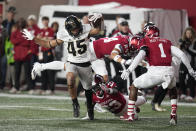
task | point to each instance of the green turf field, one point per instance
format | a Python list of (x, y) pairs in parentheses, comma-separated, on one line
[(21, 113)]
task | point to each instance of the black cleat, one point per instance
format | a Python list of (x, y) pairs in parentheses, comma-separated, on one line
[(76, 110), (89, 104), (91, 114)]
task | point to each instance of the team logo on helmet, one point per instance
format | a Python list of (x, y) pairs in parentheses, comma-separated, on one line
[(73, 23)]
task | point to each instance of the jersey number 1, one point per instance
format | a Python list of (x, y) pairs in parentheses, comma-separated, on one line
[(163, 55)]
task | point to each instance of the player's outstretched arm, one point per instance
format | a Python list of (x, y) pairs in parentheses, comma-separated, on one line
[(45, 43), (180, 54), (39, 67), (141, 55), (115, 55)]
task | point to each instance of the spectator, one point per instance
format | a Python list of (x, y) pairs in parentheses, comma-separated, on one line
[(123, 27), (2, 47), (7, 24), (187, 44), (9, 51), (117, 28), (55, 28), (22, 55), (34, 29), (59, 49), (48, 76)]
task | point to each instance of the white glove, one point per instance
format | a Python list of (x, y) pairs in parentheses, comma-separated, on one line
[(27, 34), (128, 62), (192, 73), (94, 17), (125, 74), (37, 69)]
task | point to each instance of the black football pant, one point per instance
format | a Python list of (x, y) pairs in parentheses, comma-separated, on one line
[(48, 76), (159, 95), (27, 70), (183, 73)]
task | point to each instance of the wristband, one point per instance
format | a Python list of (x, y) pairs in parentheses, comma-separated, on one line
[(123, 61), (116, 58)]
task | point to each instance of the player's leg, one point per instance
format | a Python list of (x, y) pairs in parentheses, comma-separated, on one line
[(85, 75), (144, 81), (99, 68), (71, 71), (140, 101), (131, 103), (173, 98), (159, 95)]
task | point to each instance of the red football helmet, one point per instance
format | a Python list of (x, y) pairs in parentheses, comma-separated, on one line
[(134, 42), (98, 79), (97, 88), (151, 31)]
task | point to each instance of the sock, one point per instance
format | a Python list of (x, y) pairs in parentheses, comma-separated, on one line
[(131, 106), (88, 94), (174, 106), (75, 101), (140, 101)]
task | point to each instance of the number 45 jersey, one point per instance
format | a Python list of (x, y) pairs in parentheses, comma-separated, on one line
[(158, 51), (115, 103), (76, 47)]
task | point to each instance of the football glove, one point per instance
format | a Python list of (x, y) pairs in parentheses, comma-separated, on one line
[(125, 74), (27, 34), (192, 73), (128, 62), (37, 69)]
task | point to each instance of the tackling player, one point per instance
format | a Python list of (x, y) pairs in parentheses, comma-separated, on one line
[(159, 54), (109, 97)]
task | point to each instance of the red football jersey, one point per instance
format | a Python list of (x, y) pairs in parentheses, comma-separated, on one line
[(114, 103), (104, 46), (47, 33), (34, 47), (159, 51)]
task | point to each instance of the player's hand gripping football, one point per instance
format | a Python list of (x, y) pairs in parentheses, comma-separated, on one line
[(193, 74), (125, 74), (27, 34), (37, 69), (95, 19)]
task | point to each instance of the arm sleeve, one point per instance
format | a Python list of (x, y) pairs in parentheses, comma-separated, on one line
[(55, 65), (180, 54), (141, 55), (62, 35)]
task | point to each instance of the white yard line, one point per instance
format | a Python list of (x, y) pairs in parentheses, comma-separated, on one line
[(37, 97), (71, 118), (33, 107), (68, 98)]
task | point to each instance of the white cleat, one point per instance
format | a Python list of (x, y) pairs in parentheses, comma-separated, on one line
[(99, 109), (173, 120), (86, 117)]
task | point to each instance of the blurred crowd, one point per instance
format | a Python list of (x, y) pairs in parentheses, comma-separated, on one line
[(17, 56)]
